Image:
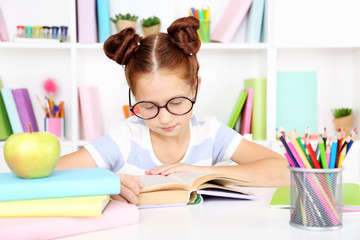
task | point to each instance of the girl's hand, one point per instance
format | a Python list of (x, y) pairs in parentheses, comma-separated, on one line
[(130, 189), (173, 168)]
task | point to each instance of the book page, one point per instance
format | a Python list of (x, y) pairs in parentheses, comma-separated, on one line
[(174, 181)]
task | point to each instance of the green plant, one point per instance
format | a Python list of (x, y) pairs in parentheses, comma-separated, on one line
[(127, 16), (151, 21), (341, 112)]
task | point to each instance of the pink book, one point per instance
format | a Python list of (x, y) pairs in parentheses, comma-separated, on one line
[(230, 20), (247, 113), (90, 113), (4, 36), (25, 109), (86, 21), (117, 214)]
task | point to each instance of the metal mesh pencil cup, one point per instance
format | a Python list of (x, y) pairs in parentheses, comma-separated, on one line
[(316, 198)]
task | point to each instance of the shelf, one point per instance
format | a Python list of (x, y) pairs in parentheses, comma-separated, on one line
[(34, 45)]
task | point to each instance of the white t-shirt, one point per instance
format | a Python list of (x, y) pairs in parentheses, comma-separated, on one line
[(128, 149)]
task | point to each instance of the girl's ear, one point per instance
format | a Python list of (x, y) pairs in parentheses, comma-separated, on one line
[(199, 82)]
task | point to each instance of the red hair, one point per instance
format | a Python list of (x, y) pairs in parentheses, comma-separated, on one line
[(172, 51)]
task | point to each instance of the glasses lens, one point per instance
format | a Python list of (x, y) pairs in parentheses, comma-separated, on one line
[(145, 109), (179, 105)]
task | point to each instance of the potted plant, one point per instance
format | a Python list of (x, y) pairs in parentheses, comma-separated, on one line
[(343, 118), (123, 21), (150, 25)]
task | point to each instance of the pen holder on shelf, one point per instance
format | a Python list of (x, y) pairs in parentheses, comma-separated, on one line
[(55, 126), (316, 198), (204, 31)]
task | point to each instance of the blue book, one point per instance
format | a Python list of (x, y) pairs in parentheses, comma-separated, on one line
[(103, 15), (11, 110), (255, 21), (60, 183)]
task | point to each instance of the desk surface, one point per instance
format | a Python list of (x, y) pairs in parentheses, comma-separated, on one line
[(222, 219)]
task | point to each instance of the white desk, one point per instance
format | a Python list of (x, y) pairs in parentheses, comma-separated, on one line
[(223, 219)]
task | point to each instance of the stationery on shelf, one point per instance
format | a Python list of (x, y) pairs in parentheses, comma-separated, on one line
[(258, 118), (187, 188), (60, 183), (84, 206), (90, 112), (255, 22), (86, 21), (103, 16), (246, 116), (236, 10), (237, 109), (293, 110), (203, 15), (11, 110), (117, 214), (25, 109)]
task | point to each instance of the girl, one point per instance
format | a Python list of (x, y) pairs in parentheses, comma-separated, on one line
[(163, 137)]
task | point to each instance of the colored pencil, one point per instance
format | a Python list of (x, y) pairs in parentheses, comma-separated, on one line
[(333, 152), (323, 159), (312, 154)]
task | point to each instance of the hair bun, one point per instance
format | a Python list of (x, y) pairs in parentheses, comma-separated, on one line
[(184, 34), (121, 46)]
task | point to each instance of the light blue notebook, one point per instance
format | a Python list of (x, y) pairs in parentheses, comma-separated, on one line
[(296, 101), (60, 183), (255, 21), (103, 15), (11, 110)]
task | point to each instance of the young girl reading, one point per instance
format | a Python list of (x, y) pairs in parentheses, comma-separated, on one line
[(164, 137)]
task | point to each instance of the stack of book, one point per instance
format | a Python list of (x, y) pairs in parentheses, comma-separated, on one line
[(250, 109), (72, 197)]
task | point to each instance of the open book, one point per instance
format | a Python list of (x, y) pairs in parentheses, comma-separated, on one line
[(187, 188)]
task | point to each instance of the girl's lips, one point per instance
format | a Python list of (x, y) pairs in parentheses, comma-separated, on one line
[(168, 129)]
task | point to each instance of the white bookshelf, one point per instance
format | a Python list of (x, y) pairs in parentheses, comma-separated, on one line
[(316, 35)]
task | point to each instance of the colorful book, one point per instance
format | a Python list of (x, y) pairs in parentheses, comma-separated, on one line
[(5, 126), (258, 118), (25, 109), (294, 110), (86, 21), (117, 214), (4, 35), (230, 20), (247, 114), (237, 109), (86, 206), (103, 16), (351, 196), (255, 21), (90, 113), (60, 183), (11, 110)]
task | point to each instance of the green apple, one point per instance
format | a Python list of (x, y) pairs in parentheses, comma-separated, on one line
[(32, 155)]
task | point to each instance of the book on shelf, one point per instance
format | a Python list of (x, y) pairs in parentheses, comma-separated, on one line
[(258, 117), (86, 21), (4, 35), (11, 110), (293, 110), (351, 198), (237, 109), (84, 206), (60, 183), (230, 20), (247, 113), (187, 188), (25, 109), (103, 17), (5, 126), (117, 214), (255, 21), (90, 113)]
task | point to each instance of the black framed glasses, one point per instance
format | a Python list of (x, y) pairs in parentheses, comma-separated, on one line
[(178, 106)]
